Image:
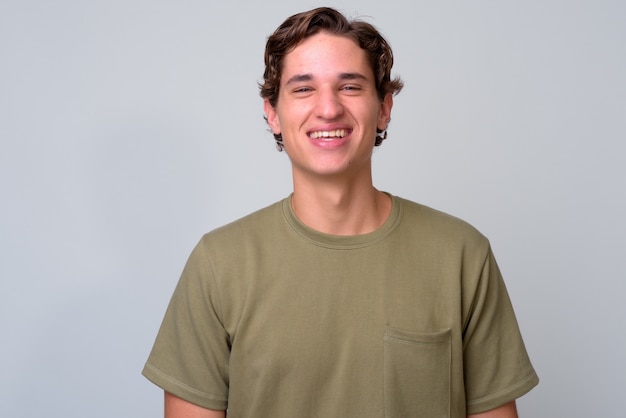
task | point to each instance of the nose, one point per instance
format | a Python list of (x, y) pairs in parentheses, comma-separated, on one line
[(329, 106)]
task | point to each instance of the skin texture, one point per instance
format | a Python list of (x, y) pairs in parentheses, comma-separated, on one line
[(508, 410), (178, 408), (327, 84)]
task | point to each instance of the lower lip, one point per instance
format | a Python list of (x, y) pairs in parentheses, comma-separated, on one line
[(334, 143)]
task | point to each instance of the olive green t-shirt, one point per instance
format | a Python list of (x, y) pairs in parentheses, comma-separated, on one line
[(273, 319)]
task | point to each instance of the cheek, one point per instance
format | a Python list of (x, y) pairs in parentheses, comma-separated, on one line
[(292, 117)]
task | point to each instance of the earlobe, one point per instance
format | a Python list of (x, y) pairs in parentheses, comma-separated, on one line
[(272, 117)]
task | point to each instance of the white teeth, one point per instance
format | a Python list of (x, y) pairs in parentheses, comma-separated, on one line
[(338, 133)]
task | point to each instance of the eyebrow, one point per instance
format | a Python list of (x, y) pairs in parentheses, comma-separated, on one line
[(298, 78), (308, 77)]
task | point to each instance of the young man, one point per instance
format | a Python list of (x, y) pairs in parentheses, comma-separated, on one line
[(341, 300)]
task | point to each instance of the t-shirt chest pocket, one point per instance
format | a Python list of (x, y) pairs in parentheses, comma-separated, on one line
[(417, 373)]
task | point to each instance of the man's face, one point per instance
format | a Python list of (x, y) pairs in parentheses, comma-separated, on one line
[(328, 108)]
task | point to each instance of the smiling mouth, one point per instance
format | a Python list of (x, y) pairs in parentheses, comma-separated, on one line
[(328, 135)]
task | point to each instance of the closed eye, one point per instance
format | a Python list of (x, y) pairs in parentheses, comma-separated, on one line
[(351, 89)]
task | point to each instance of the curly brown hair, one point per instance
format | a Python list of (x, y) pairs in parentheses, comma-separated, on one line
[(303, 25)]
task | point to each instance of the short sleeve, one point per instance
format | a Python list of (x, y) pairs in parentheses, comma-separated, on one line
[(190, 355), (497, 369)]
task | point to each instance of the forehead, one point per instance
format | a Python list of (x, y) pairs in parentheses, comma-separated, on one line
[(326, 55)]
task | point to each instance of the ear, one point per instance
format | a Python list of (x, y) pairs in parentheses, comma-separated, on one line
[(385, 112), (272, 117)]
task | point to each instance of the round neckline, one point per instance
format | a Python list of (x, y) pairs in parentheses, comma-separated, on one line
[(343, 242)]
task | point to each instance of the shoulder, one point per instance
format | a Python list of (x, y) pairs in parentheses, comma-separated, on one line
[(438, 227), (245, 239), (260, 224)]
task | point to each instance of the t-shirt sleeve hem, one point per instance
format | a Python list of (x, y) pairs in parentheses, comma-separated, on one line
[(489, 402), (183, 391)]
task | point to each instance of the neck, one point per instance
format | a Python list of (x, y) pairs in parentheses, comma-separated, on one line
[(340, 209)]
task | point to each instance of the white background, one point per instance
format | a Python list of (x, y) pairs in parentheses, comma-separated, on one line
[(129, 128)]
